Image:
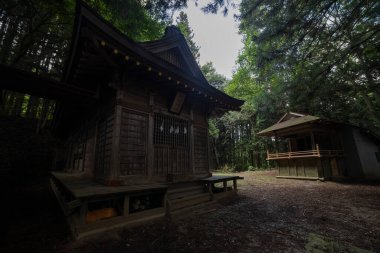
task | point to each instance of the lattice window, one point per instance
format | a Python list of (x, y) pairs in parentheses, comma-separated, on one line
[(171, 131)]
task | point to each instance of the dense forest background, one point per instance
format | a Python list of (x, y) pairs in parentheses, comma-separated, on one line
[(314, 57)]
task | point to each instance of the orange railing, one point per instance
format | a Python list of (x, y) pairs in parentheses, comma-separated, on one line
[(305, 153)]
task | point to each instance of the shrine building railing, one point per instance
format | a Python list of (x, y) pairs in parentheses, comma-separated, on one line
[(305, 153)]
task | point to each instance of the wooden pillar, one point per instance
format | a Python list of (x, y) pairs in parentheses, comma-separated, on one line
[(276, 142), (192, 165), (209, 161), (95, 159), (115, 158), (167, 205), (319, 167), (303, 166), (312, 140), (209, 187), (150, 143), (114, 172), (289, 145)]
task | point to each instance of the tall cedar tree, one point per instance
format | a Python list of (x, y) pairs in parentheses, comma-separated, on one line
[(183, 24), (215, 79), (317, 57)]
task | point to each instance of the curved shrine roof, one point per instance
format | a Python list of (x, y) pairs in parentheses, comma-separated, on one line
[(97, 47)]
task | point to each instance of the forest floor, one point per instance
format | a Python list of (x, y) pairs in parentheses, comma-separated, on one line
[(268, 215)]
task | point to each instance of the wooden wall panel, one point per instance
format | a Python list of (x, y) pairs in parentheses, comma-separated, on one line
[(104, 144), (282, 168), (75, 150), (136, 98), (133, 143), (200, 118), (89, 160), (292, 168), (201, 160), (171, 160), (310, 165), (301, 167)]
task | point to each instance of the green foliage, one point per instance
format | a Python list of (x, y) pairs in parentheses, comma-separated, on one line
[(131, 17), (216, 5), (26, 25), (317, 57), (183, 24), (163, 9), (213, 129), (215, 79), (227, 168)]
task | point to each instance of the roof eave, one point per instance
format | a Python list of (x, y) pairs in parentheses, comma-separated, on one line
[(136, 50)]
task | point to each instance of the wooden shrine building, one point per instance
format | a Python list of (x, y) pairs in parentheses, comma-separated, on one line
[(138, 148), (323, 149)]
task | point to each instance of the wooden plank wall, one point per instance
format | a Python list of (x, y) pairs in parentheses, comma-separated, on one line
[(79, 149), (136, 98), (171, 160), (104, 136), (301, 167), (201, 160), (133, 143), (200, 140), (89, 159)]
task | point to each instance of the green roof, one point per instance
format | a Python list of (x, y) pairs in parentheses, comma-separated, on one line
[(288, 124)]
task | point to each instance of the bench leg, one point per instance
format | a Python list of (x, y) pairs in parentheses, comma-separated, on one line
[(209, 186), (126, 205), (235, 185)]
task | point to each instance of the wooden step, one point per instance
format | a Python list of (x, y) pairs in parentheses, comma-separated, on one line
[(187, 193), (205, 207), (189, 201), (177, 189)]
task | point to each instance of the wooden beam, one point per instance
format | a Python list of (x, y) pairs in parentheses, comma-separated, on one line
[(303, 178)]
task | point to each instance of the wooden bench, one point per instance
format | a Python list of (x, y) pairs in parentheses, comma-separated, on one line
[(211, 181)]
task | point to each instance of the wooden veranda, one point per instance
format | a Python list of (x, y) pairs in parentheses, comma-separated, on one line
[(91, 207)]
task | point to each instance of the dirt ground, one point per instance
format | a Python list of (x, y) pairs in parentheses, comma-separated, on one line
[(268, 215)]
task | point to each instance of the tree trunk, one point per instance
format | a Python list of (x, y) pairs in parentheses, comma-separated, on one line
[(17, 106), (7, 45)]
